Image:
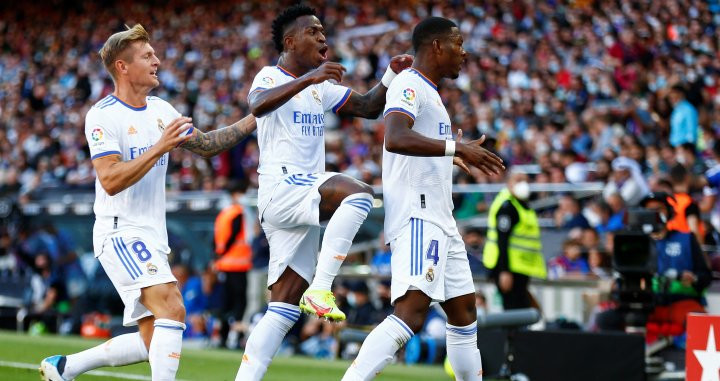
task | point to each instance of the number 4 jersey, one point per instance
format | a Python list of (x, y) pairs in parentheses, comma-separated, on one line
[(417, 186)]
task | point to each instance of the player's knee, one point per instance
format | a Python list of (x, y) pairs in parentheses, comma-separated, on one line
[(414, 321), (364, 188), (175, 311)]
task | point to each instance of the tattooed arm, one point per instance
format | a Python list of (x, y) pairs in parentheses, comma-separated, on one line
[(370, 105), (208, 144)]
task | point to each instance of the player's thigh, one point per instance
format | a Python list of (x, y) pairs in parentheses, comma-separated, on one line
[(296, 248), (418, 260), (458, 277), (296, 201), (335, 190), (133, 263)]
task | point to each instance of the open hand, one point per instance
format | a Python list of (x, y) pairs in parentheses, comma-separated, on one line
[(457, 160), (474, 154)]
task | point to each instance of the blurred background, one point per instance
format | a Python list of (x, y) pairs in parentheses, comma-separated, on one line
[(598, 102)]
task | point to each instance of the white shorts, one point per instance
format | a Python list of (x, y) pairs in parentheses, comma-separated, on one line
[(133, 263), (427, 259), (291, 221)]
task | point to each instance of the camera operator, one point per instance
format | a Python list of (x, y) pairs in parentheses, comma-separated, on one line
[(682, 273)]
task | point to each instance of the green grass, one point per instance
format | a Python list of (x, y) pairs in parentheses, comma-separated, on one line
[(196, 364)]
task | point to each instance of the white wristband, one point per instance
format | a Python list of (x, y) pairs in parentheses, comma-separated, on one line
[(388, 77), (449, 148)]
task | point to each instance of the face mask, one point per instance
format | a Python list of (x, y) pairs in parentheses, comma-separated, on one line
[(521, 190), (351, 299)]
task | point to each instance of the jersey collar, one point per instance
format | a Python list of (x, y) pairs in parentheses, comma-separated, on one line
[(424, 78), (285, 71), (128, 106)]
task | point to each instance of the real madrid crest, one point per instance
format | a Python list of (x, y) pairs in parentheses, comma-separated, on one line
[(161, 126), (316, 96), (430, 275), (151, 269)]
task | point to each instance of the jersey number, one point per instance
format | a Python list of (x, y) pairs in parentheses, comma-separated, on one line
[(141, 251), (432, 252)]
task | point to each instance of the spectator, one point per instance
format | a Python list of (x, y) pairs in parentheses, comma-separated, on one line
[(686, 212), (474, 246), (568, 214), (570, 264), (234, 259), (361, 312), (711, 201), (684, 119), (627, 180)]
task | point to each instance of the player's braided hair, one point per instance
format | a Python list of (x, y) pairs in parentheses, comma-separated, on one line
[(287, 17)]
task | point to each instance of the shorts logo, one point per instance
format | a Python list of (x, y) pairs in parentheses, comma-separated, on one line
[(97, 134), (161, 125), (268, 81), (151, 269), (430, 275), (132, 130), (316, 96)]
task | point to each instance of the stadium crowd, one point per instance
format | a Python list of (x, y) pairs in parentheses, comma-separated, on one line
[(619, 92)]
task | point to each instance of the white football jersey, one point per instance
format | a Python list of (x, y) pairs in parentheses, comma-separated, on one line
[(292, 137), (113, 127), (417, 186)]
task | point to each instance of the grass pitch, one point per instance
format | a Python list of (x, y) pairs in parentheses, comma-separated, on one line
[(21, 354)]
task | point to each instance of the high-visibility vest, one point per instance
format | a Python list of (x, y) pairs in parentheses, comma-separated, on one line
[(680, 203), (524, 246), (237, 257)]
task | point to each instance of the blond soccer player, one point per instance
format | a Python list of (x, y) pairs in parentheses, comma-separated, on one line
[(130, 135)]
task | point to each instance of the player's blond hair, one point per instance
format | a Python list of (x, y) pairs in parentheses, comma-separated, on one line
[(118, 43)]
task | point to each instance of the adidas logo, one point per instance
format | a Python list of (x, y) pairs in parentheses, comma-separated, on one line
[(174, 355), (132, 130), (245, 358)]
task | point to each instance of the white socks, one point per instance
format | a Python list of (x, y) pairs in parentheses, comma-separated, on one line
[(165, 348), (378, 349), (265, 339), (121, 350), (463, 352), (340, 231)]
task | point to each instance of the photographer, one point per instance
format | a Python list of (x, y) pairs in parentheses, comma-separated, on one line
[(682, 274)]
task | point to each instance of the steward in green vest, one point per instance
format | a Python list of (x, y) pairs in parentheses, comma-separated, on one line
[(513, 251)]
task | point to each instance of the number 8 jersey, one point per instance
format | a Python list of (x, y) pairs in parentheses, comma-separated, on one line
[(113, 127)]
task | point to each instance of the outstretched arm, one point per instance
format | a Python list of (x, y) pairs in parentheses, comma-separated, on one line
[(401, 139), (268, 100), (370, 104), (212, 143)]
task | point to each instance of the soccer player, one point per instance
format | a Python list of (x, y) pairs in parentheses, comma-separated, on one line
[(429, 262), (130, 135), (296, 195)]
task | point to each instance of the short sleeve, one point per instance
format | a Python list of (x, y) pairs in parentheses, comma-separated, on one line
[(102, 138), (267, 78), (403, 97), (334, 96)]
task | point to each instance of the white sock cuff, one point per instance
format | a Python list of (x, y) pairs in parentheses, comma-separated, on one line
[(405, 331), (169, 324), (462, 336), (362, 201), (288, 311)]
